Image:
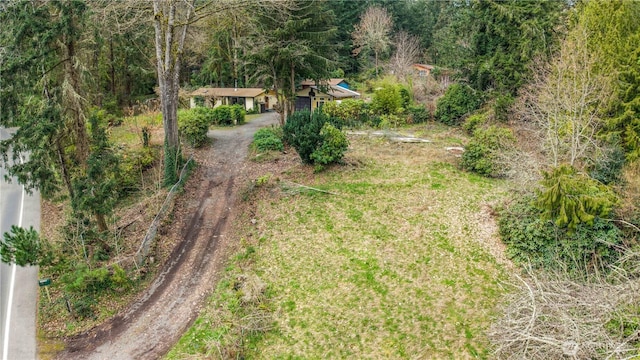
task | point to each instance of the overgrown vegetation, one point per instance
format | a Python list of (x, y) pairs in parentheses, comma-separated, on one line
[(317, 138), (90, 277), (268, 139), (459, 100), (546, 89), (486, 153), (533, 241)]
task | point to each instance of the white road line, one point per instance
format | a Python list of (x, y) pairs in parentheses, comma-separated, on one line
[(5, 347)]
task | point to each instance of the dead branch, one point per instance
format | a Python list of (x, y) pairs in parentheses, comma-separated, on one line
[(309, 187), (551, 316)]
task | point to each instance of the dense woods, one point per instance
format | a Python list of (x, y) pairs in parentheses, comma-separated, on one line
[(548, 93)]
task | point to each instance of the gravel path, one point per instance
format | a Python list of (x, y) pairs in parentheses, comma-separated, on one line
[(152, 324)]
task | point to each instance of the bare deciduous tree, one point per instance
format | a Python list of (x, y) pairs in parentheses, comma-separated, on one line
[(372, 32), (566, 101), (171, 19), (406, 54)]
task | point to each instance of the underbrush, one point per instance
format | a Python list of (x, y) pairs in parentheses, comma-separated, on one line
[(543, 245), (550, 315), (92, 273)]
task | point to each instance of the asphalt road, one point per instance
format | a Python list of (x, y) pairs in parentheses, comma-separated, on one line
[(18, 285)]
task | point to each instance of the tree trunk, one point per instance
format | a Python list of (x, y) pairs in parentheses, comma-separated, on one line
[(102, 223), (292, 100), (63, 168), (169, 48), (375, 53), (74, 105), (112, 69)]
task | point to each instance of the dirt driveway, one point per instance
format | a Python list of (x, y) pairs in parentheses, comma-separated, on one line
[(152, 324)]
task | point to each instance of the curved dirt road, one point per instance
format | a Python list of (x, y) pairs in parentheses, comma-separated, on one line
[(151, 325)]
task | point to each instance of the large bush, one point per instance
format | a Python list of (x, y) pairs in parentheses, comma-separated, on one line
[(531, 239), (349, 110), (303, 131), (193, 127), (206, 114), (458, 101), (334, 145), (387, 100), (238, 114), (485, 150), (222, 115)]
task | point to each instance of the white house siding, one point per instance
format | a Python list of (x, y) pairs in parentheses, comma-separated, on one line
[(248, 103)]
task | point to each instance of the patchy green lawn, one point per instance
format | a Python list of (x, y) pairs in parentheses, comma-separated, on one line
[(396, 263)]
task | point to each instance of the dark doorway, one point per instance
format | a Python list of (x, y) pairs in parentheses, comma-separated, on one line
[(303, 102)]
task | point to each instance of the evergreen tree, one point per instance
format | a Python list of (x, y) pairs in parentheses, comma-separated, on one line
[(494, 42), (292, 45), (615, 38), (96, 191), (41, 92)]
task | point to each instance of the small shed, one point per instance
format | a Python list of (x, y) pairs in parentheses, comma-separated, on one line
[(250, 98), (422, 70), (443, 76)]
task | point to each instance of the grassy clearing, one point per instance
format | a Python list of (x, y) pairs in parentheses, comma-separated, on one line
[(394, 266), (129, 133)]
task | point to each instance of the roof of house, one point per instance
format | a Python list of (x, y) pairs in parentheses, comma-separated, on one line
[(338, 91), (424, 67), (229, 92), (332, 82)]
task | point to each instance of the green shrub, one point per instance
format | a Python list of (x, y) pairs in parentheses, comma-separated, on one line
[(482, 153), (387, 100), (334, 145), (267, 139), (238, 114), (132, 163), (570, 198), (205, 114), (418, 114), (85, 280), (473, 122), (302, 131), (501, 107), (532, 240), (222, 115), (193, 127), (350, 111), (607, 167), (458, 101)]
